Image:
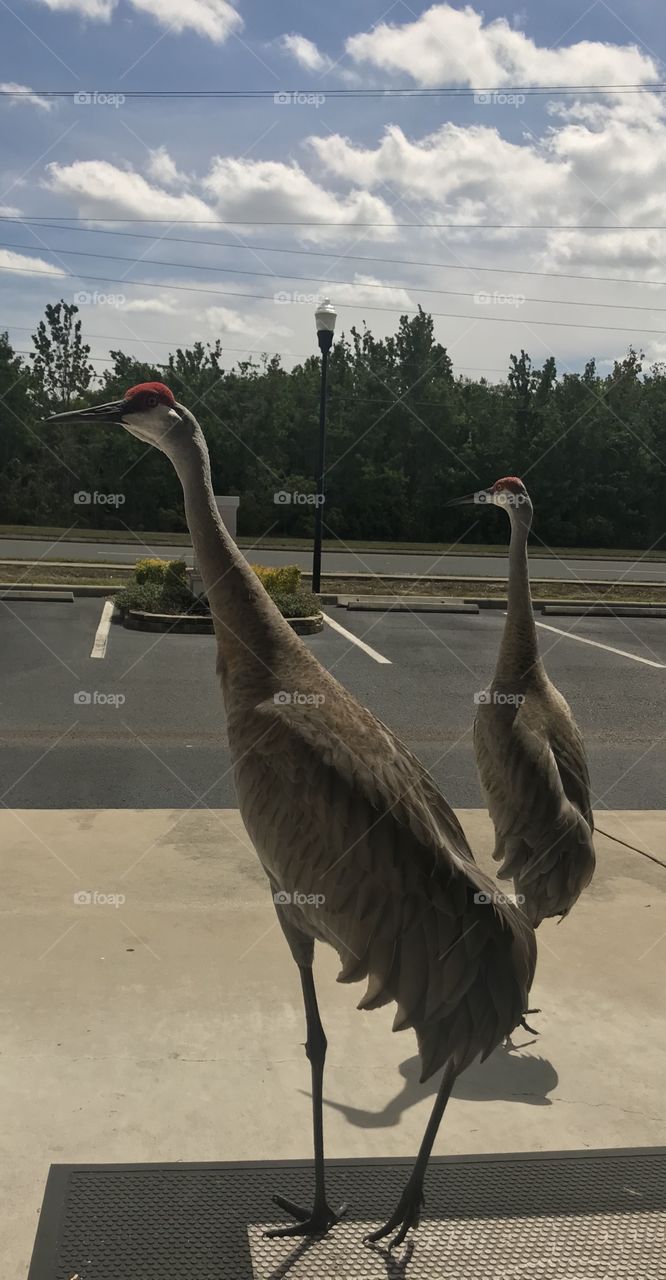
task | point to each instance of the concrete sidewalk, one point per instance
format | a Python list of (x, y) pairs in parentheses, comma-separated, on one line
[(168, 1026)]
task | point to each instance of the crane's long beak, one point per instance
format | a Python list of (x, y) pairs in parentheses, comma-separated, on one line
[(98, 413), (470, 499)]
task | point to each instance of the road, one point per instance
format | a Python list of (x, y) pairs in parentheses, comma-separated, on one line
[(476, 566), (133, 745)]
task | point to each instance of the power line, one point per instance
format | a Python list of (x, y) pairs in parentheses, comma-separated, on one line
[(345, 306), (352, 284), (331, 253), (351, 225), (284, 95)]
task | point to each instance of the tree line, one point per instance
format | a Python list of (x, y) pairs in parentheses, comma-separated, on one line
[(404, 435)]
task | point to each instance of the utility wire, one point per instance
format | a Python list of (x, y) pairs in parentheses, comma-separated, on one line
[(352, 284), (443, 91), (352, 225), (330, 253), (346, 306)]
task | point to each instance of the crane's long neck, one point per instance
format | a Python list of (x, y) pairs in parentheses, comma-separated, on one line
[(251, 633), (519, 655)]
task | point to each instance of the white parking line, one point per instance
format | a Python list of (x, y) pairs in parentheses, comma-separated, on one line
[(622, 653), (372, 653), (102, 634)]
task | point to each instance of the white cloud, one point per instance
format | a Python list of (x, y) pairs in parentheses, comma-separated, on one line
[(305, 52), (457, 46), (271, 191), (99, 10), (34, 100), (215, 19), (101, 190), (21, 262), (163, 169), (152, 306)]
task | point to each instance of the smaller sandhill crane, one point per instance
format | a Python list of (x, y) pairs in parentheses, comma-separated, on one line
[(529, 750), (360, 849)]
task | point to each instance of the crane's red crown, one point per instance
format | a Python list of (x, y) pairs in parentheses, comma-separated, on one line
[(147, 390), (508, 483)]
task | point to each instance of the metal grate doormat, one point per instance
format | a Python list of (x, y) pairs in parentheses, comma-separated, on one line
[(571, 1215)]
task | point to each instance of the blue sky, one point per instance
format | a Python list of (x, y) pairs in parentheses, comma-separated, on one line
[(574, 160)]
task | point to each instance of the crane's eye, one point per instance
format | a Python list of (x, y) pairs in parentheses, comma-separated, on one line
[(151, 402)]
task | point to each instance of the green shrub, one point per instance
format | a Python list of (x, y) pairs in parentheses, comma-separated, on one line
[(158, 586), (281, 578), (296, 604)]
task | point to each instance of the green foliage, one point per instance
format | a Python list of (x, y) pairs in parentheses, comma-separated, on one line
[(157, 586), (296, 604), (404, 435), (283, 578)]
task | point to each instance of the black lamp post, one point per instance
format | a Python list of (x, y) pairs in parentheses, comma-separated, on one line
[(325, 317)]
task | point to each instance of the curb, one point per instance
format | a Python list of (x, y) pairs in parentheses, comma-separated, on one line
[(202, 625), (407, 604)]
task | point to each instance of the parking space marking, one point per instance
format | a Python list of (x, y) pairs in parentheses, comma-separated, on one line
[(372, 653), (102, 634), (622, 653)]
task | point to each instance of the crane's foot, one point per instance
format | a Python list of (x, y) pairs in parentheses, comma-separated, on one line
[(406, 1215), (526, 1025), (309, 1222)]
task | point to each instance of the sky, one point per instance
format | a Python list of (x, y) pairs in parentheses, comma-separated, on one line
[(536, 219)]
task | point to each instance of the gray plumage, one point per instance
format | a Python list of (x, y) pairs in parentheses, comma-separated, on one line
[(360, 848), (530, 753)]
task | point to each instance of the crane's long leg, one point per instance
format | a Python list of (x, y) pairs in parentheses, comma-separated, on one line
[(321, 1218), (408, 1208)]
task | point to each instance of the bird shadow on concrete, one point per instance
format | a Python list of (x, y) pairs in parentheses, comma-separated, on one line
[(507, 1074)]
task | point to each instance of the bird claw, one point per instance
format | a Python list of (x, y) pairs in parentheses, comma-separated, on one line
[(526, 1025), (406, 1216), (315, 1222)]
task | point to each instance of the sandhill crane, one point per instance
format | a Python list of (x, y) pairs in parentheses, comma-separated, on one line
[(360, 848), (529, 749)]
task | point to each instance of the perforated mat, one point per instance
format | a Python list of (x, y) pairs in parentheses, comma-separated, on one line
[(588, 1215)]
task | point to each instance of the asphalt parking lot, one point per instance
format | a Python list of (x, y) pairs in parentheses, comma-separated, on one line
[(147, 728)]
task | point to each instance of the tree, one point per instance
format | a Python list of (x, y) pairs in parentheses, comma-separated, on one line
[(61, 370)]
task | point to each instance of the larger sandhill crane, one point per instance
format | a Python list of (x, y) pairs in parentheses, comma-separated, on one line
[(360, 848), (529, 750)]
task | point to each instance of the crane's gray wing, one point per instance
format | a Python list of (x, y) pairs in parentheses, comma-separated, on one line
[(381, 870), (536, 785)]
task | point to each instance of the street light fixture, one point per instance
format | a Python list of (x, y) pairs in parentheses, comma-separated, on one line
[(325, 317)]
